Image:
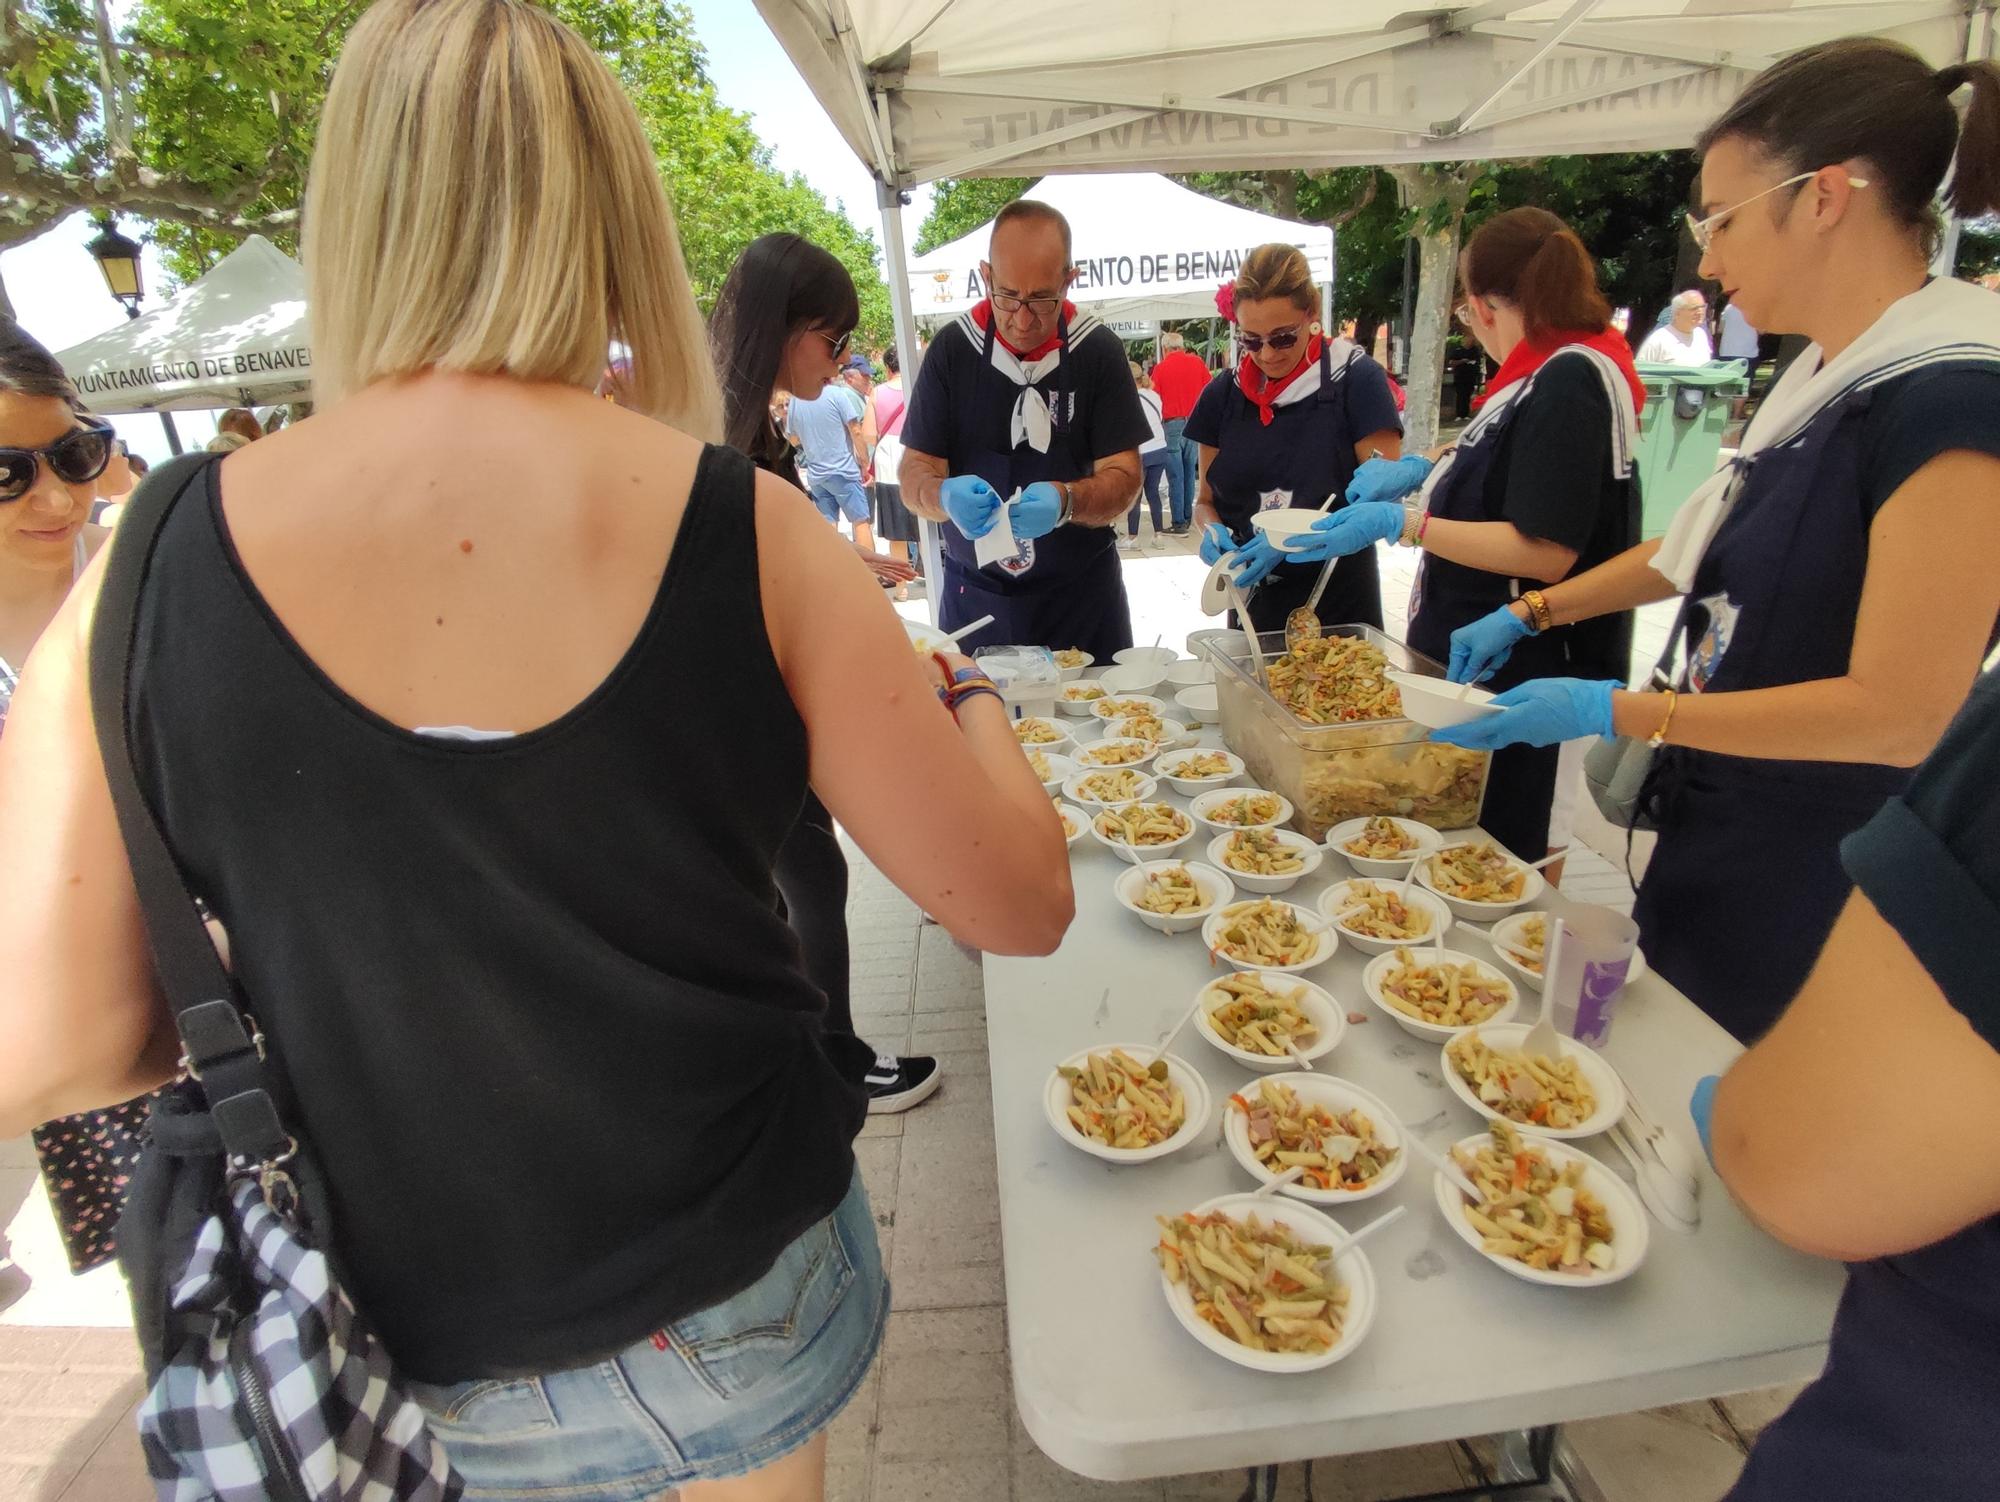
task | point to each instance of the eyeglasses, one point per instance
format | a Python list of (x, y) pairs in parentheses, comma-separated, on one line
[(838, 346), (76, 458), (1704, 230), (1007, 302), (1278, 339)]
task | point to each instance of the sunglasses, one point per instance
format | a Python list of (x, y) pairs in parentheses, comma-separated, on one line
[(76, 458), (838, 346), (1704, 230), (1282, 339)]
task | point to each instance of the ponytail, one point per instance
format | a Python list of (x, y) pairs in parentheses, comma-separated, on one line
[(1975, 175), (1532, 259)]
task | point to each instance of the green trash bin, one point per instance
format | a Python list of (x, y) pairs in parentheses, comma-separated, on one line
[(1680, 432)]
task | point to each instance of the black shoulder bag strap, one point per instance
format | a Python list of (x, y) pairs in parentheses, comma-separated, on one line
[(221, 1048)]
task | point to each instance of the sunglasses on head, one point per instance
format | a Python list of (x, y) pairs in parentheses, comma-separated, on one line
[(1282, 339), (76, 458)]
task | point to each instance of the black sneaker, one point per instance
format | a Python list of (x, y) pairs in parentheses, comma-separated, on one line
[(896, 1084)]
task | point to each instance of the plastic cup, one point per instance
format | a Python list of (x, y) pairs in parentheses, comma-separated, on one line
[(1589, 973)]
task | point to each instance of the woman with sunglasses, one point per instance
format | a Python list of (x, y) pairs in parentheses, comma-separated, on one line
[(1539, 486), (51, 457), (1842, 573), (768, 333), (1287, 427)]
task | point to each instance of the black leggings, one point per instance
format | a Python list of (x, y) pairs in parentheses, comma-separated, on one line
[(811, 873)]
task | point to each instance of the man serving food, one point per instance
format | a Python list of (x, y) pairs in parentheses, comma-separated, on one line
[(1025, 426)]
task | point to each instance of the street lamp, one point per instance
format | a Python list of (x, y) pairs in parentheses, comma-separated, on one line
[(117, 256)]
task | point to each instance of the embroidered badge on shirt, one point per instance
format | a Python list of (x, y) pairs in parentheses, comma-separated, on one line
[(1723, 615), (1273, 500)]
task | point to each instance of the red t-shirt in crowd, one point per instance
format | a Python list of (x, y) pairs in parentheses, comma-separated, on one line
[(1179, 378)]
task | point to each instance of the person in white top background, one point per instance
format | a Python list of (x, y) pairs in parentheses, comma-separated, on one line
[(1682, 339), (1152, 462)]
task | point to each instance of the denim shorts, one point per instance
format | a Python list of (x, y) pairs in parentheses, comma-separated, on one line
[(841, 496), (727, 1390)]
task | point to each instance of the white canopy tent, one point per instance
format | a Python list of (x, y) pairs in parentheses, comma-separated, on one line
[(1146, 249), (234, 338)]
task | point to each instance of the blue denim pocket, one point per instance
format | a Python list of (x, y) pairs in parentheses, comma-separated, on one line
[(734, 1345), (487, 1408)]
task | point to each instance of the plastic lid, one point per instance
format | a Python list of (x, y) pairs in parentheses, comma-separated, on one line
[(1019, 667), (1715, 374)]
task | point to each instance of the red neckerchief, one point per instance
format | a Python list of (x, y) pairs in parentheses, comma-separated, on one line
[(1264, 391), (982, 318), (1525, 358)]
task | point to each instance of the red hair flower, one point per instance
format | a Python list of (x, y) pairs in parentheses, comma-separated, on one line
[(1225, 300)]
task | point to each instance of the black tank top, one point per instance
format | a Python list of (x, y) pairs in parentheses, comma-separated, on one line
[(535, 1005)]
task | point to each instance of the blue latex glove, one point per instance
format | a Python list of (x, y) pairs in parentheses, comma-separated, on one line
[(1352, 529), (1701, 1106), (1481, 649), (1255, 559), (1388, 479), (1215, 541), (1540, 713), (1036, 512), (971, 504)]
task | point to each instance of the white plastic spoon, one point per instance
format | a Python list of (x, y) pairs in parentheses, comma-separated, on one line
[(1445, 1166)]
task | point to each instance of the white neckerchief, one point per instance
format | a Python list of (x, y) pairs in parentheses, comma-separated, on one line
[(1940, 322), (1624, 420), (1031, 423)]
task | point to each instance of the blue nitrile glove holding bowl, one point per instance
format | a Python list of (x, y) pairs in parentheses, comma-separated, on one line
[(1035, 514), (1701, 1106), (1480, 649), (1352, 529), (1255, 559), (1388, 479), (971, 504), (1215, 541), (1541, 712)]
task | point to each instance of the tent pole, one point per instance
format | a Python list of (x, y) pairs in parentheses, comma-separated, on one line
[(173, 433), (897, 265)]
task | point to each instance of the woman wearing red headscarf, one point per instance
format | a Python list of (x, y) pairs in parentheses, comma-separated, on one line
[(1538, 486)]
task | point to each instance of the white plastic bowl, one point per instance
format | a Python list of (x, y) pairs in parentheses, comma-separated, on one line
[(1173, 732), (1070, 675), (1350, 1267), (1329, 1021), (1509, 928), (1203, 802), (1159, 657), (1265, 886), (1187, 672), (1438, 702), (1428, 840), (1079, 823), (1065, 739), (1379, 968), (1078, 708), (1163, 766), (1127, 696), (1339, 897), (1329, 942), (1089, 757), (1335, 1094), (1214, 886), (1224, 638), (1194, 1090), (1604, 1082), (1200, 703), (1133, 678), (1481, 912), (1285, 529), (1139, 853), (1061, 768), (1630, 1234), (1075, 792)]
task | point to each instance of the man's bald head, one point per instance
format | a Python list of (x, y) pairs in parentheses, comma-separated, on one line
[(1028, 270)]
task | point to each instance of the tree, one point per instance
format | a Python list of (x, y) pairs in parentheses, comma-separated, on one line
[(960, 205), (198, 120)]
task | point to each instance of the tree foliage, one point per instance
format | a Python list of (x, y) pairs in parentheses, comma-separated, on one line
[(960, 205), (198, 120)]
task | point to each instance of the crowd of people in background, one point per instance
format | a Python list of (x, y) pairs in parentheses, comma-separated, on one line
[(621, 682)]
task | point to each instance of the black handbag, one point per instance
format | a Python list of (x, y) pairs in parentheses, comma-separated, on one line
[(264, 1380)]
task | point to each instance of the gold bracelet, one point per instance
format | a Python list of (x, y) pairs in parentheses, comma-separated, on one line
[(1539, 609), (1659, 737)]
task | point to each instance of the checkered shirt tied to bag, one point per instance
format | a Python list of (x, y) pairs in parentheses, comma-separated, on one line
[(266, 1381)]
